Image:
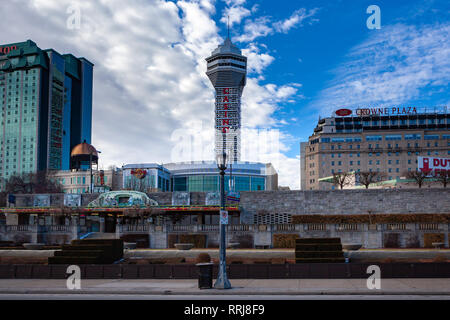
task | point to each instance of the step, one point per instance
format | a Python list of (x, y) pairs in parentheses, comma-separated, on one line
[(318, 247), (320, 260), (79, 253), (319, 254), (99, 241), (76, 260), (101, 236), (86, 247), (317, 240)]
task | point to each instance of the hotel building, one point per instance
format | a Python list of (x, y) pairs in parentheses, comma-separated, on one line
[(387, 140), (46, 108)]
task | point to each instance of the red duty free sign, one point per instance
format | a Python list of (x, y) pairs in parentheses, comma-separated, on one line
[(429, 164)]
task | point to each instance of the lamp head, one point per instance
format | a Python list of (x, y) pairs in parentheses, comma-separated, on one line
[(222, 160)]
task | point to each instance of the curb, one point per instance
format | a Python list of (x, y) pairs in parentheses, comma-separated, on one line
[(224, 292)]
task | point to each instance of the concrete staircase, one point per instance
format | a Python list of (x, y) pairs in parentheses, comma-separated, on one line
[(318, 250), (89, 251), (100, 235)]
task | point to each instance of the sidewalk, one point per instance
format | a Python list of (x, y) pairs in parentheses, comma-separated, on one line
[(239, 287)]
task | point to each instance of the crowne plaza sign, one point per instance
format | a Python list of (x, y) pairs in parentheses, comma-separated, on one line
[(391, 111)]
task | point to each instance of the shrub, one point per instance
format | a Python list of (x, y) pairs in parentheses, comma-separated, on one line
[(284, 240), (439, 258), (388, 260)]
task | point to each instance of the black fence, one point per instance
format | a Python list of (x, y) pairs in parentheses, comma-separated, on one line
[(235, 271)]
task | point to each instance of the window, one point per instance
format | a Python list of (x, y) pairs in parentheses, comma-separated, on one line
[(412, 136), (374, 138), (393, 137)]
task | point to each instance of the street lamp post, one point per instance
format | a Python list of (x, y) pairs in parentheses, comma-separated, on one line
[(91, 186), (222, 281)]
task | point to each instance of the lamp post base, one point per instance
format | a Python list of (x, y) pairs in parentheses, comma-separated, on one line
[(222, 282)]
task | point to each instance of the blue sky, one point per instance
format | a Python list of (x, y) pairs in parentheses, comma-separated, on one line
[(153, 102), (312, 52)]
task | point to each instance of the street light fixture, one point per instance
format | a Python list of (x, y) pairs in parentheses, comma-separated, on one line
[(91, 187), (222, 281)]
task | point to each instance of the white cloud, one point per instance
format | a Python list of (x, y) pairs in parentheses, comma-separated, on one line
[(264, 26), (393, 66), (149, 74), (256, 61), (294, 20), (234, 14), (260, 27)]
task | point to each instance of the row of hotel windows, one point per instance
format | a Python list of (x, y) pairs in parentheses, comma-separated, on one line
[(394, 122), (370, 162), (378, 154), (387, 138), (397, 170)]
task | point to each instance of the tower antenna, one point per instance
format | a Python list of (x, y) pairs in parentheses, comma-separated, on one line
[(228, 26)]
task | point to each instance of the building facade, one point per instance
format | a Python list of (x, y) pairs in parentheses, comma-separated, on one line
[(146, 177), (46, 108), (227, 69), (199, 176), (387, 140), (203, 176), (79, 181)]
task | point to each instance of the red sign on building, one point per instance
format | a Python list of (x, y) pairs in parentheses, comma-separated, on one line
[(6, 50)]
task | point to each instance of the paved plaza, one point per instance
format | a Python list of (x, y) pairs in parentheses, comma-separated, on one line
[(240, 287)]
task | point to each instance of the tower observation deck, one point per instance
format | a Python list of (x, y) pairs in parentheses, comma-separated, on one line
[(227, 69)]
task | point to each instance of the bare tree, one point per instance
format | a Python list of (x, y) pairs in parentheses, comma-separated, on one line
[(418, 176), (342, 179), (443, 176), (368, 177), (38, 182)]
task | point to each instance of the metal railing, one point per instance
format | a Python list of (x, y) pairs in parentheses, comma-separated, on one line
[(316, 227), (347, 227), (20, 227), (209, 227), (58, 228), (238, 227), (428, 226), (181, 228), (396, 226), (283, 227), (134, 227)]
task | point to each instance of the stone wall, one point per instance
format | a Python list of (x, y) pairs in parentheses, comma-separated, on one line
[(349, 201), (425, 200)]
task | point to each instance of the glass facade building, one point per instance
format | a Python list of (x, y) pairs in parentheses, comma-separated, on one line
[(199, 177), (46, 108)]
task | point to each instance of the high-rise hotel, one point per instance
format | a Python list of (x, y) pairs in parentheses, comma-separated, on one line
[(46, 108), (227, 69), (386, 140)]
